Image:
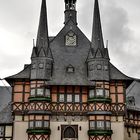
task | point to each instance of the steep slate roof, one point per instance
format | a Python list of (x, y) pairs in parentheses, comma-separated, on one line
[(24, 74), (65, 56), (5, 105), (116, 74), (42, 36), (76, 56), (97, 37)]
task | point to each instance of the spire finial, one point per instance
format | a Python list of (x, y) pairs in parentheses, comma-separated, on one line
[(42, 36), (70, 11), (70, 4), (97, 37)]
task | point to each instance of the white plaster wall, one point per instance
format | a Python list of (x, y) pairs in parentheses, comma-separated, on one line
[(20, 130), (118, 130), (56, 134)]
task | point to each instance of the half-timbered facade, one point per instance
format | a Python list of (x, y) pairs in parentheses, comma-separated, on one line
[(70, 91)]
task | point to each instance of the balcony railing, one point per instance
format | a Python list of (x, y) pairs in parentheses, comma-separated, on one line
[(55, 107)]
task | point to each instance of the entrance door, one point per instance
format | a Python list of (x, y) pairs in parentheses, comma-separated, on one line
[(69, 132)]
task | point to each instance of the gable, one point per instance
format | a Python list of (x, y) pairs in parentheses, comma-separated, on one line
[(75, 55)]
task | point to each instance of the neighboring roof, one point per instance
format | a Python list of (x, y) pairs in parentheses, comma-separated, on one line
[(24, 74), (6, 115), (133, 92), (5, 96), (116, 74), (5, 106)]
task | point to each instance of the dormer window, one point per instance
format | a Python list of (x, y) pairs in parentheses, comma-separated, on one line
[(70, 69)]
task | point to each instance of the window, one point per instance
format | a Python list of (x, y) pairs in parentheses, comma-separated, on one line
[(31, 124), (32, 92), (69, 97), (108, 125), (100, 124), (40, 92), (1, 130), (77, 98), (92, 125), (46, 124), (91, 93), (47, 93), (70, 69), (38, 124), (99, 92), (106, 93), (61, 97)]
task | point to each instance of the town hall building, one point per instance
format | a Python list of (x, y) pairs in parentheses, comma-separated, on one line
[(71, 90)]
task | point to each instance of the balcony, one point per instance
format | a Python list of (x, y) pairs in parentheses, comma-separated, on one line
[(100, 132), (39, 131)]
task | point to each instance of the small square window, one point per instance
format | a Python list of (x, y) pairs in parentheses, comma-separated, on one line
[(70, 69), (99, 92), (69, 98), (61, 97), (40, 92), (77, 98), (91, 93)]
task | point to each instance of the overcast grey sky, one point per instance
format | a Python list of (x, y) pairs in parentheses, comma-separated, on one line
[(19, 22)]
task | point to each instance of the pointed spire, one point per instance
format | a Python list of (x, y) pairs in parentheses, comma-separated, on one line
[(42, 36), (97, 37)]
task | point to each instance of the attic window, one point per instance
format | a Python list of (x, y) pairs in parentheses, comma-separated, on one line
[(70, 69)]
